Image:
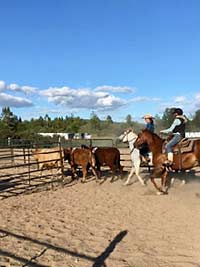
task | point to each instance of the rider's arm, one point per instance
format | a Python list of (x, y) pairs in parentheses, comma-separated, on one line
[(175, 123)]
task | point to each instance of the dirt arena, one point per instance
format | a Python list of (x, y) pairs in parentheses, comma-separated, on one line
[(108, 225)]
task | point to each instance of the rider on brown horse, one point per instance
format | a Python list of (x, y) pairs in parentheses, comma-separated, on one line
[(177, 129)]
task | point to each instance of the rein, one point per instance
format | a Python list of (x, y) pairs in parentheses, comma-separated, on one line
[(132, 150), (134, 138)]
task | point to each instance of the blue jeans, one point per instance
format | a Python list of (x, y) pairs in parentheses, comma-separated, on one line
[(175, 139)]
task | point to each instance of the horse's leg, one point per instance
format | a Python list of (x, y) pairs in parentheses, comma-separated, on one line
[(183, 181), (136, 160), (164, 181), (130, 175), (159, 190), (172, 181), (159, 172), (137, 172), (96, 174)]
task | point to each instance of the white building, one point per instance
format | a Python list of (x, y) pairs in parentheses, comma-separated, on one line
[(192, 134), (68, 136)]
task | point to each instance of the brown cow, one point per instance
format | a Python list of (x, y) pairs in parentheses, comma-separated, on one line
[(80, 157), (48, 158), (107, 156)]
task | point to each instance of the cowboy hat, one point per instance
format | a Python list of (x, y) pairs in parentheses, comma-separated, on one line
[(148, 116)]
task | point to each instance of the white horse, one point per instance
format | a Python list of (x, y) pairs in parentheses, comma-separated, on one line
[(130, 137)]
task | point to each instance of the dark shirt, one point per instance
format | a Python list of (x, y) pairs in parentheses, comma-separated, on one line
[(150, 126)]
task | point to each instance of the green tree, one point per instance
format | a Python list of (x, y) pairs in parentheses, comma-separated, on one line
[(9, 123), (95, 122), (167, 117), (196, 120), (109, 119), (129, 120)]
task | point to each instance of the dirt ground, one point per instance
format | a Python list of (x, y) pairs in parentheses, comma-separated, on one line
[(92, 225)]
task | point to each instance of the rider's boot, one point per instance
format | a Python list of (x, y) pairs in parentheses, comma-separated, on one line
[(144, 160), (169, 162)]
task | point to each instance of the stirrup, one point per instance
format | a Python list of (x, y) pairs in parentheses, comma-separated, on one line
[(168, 164)]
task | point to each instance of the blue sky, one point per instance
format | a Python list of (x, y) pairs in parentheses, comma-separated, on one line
[(111, 57)]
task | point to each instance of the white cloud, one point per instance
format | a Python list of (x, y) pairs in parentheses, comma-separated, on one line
[(156, 99), (180, 100), (197, 97), (197, 101), (28, 89), (2, 85), (25, 89), (115, 89), (16, 88), (140, 99), (13, 101), (110, 101), (82, 98)]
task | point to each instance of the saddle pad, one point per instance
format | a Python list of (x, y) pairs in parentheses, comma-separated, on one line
[(185, 145)]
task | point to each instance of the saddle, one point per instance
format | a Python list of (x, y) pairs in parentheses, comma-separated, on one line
[(185, 145)]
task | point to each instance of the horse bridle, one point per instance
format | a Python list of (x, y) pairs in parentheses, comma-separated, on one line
[(126, 133)]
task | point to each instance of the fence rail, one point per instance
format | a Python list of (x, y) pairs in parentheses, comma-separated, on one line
[(19, 171), (19, 143)]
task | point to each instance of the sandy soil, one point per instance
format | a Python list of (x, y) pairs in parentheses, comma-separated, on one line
[(102, 225)]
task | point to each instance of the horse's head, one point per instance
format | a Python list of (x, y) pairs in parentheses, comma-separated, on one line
[(151, 139), (143, 137), (127, 136)]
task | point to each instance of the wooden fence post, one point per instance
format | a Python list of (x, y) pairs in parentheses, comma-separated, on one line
[(61, 162)]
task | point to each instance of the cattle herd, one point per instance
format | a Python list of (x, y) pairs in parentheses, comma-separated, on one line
[(83, 157)]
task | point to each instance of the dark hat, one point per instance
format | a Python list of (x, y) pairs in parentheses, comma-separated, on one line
[(179, 111)]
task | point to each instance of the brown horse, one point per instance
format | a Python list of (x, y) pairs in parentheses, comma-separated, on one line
[(182, 160)]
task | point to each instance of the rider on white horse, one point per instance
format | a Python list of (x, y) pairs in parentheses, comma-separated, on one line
[(144, 150)]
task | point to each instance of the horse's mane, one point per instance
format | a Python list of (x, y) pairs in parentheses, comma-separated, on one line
[(154, 136)]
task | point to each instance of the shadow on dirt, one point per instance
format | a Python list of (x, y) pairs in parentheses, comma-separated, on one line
[(98, 261)]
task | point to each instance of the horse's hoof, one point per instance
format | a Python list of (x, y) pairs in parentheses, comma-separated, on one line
[(159, 193), (126, 183), (101, 181), (183, 182)]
